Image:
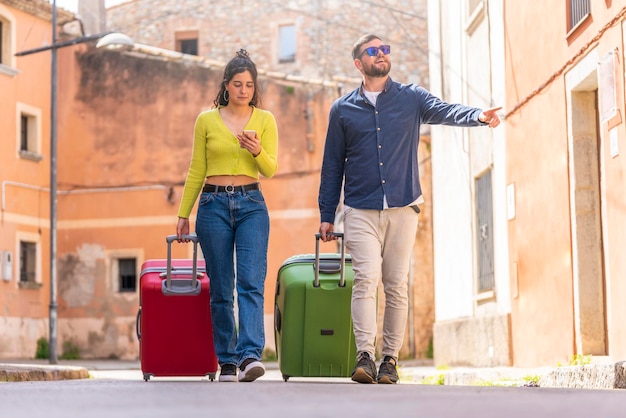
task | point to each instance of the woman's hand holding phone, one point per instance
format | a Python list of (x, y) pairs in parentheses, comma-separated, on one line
[(249, 140)]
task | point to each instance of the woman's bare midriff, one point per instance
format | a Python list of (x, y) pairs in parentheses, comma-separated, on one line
[(230, 180)]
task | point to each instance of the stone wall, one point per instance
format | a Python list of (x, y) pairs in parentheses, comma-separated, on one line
[(325, 31)]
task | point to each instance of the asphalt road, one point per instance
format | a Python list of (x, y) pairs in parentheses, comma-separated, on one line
[(123, 393)]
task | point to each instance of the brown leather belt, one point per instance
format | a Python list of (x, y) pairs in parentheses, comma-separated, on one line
[(212, 188)]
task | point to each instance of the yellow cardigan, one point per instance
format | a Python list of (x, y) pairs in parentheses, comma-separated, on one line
[(216, 151)]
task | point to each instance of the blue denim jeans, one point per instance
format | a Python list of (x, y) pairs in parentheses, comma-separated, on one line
[(233, 230)]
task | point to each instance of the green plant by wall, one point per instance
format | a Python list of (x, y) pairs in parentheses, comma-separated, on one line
[(434, 380), (43, 349), (70, 351), (269, 355), (532, 381), (578, 360), (431, 352)]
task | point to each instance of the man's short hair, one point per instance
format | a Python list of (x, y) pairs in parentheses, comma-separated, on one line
[(356, 49)]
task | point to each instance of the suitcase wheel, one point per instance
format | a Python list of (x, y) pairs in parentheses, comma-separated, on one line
[(211, 376), (285, 377), (147, 376)]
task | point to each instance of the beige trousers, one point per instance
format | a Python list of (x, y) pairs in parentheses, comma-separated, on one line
[(381, 244)]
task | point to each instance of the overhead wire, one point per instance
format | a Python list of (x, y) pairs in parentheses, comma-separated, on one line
[(567, 64)]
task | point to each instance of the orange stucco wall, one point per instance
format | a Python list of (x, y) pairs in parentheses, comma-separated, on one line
[(538, 165), (25, 210), (131, 120)]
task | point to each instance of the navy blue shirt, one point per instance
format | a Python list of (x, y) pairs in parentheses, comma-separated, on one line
[(375, 147)]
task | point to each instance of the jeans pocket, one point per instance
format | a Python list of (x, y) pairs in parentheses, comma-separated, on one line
[(206, 198), (255, 196)]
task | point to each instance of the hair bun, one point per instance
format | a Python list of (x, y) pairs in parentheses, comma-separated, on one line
[(243, 53)]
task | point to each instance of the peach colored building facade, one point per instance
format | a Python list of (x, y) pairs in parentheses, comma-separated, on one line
[(24, 174), (558, 194), (135, 134), (566, 131)]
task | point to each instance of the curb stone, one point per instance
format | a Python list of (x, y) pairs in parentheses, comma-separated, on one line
[(23, 373), (588, 376)]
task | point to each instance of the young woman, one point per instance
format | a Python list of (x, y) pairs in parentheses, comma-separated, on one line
[(233, 143)]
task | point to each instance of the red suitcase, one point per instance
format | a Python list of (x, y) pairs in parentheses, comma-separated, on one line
[(174, 319)]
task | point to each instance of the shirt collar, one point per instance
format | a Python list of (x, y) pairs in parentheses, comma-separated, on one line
[(385, 89)]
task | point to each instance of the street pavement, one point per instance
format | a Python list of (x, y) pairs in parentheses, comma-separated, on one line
[(601, 374), (116, 389)]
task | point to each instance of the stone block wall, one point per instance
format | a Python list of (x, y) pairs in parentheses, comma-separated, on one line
[(325, 31)]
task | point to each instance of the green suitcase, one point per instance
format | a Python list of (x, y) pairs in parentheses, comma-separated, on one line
[(312, 315)]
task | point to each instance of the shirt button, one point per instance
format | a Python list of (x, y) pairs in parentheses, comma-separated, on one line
[(380, 163), (378, 129), (380, 146), (383, 181)]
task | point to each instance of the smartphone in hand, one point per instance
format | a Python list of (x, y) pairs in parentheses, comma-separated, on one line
[(249, 133)]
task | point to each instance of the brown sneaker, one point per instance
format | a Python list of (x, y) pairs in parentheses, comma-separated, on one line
[(388, 373), (365, 369)]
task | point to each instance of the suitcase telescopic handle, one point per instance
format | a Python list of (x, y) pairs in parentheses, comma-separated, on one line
[(342, 261), (168, 288)]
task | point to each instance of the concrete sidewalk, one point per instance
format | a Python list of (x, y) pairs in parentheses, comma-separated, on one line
[(601, 375)]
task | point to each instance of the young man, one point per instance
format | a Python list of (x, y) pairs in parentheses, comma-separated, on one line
[(371, 147)]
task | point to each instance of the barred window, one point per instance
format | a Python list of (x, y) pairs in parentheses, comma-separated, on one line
[(578, 10), (484, 220)]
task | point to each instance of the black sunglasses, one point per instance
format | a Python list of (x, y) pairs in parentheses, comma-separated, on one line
[(372, 51)]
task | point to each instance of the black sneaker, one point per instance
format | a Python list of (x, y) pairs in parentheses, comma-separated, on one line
[(365, 369), (228, 373), (387, 372), (250, 370)]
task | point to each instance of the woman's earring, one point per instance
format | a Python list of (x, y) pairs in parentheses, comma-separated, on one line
[(226, 95)]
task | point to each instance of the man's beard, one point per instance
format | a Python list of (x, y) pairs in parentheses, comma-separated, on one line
[(373, 71)]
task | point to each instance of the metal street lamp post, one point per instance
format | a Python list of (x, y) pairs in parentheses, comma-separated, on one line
[(53, 320)]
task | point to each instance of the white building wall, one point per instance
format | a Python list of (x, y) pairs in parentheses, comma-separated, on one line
[(452, 221), (466, 64), (500, 210)]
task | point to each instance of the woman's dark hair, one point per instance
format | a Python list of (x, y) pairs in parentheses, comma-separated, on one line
[(239, 64)]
